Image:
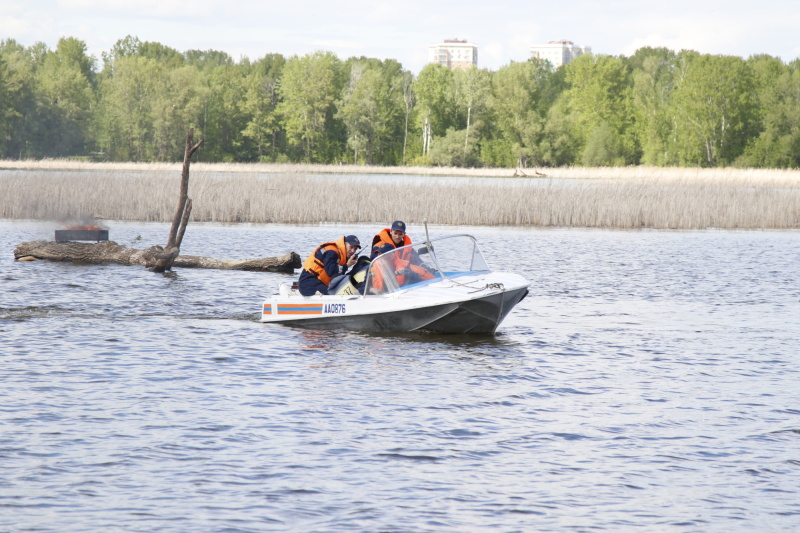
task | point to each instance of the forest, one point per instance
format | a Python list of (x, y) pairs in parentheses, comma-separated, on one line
[(657, 107)]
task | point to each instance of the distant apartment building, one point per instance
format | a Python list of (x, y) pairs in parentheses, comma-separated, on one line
[(454, 53), (559, 52)]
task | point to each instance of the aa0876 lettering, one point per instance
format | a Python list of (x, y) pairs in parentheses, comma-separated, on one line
[(335, 309)]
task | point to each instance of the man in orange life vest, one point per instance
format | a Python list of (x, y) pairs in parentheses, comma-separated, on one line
[(408, 265), (325, 262), (396, 237)]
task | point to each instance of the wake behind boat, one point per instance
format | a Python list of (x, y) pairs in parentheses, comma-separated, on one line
[(451, 290)]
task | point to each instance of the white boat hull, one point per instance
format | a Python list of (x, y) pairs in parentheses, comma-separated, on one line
[(470, 303)]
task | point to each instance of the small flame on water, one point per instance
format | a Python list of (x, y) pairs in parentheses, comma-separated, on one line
[(85, 223), (84, 227)]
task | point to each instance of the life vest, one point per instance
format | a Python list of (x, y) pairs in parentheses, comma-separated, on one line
[(315, 265), (376, 280), (385, 235), (401, 258)]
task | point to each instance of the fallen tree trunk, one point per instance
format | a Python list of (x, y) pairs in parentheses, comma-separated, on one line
[(110, 252), (284, 263)]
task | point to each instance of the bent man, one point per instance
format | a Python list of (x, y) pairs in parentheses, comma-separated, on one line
[(325, 262)]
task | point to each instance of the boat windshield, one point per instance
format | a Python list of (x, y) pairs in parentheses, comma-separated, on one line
[(446, 257)]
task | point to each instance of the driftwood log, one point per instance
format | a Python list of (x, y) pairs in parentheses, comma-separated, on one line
[(110, 252)]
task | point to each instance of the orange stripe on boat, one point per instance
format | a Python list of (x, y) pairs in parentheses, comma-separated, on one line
[(267, 309)]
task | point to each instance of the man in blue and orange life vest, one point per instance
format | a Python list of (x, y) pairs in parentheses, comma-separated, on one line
[(408, 265), (325, 262)]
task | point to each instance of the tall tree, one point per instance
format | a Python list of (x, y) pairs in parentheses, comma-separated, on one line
[(128, 46), (600, 97), (371, 108), (715, 110), (223, 120), (513, 104), (472, 88), (561, 142), (260, 103), (409, 100), (778, 143), (308, 90), (74, 52), (177, 107), (65, 101), (654, 73), (357, 109), (124, 120), (7, 110), (17, 98), (436, 101)]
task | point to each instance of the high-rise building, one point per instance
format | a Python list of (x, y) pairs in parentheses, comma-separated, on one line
[(454, 53), (559, 52)]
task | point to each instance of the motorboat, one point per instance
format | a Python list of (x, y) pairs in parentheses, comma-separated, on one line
[(443, 285)]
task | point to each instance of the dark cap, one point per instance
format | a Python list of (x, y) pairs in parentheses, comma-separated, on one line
[(399, 224), (382, 248), (352, 239)]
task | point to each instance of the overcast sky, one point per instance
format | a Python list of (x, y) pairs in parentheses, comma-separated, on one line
[(504, 30)]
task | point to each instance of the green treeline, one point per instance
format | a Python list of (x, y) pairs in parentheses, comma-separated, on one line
[(657, 107)]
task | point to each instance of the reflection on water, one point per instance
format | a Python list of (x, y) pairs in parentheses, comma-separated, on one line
[(649, 381)]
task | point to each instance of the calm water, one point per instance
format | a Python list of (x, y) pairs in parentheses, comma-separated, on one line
[(650, 382)]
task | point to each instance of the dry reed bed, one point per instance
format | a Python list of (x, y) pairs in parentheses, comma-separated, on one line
[(684, 199), (301, 168)]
